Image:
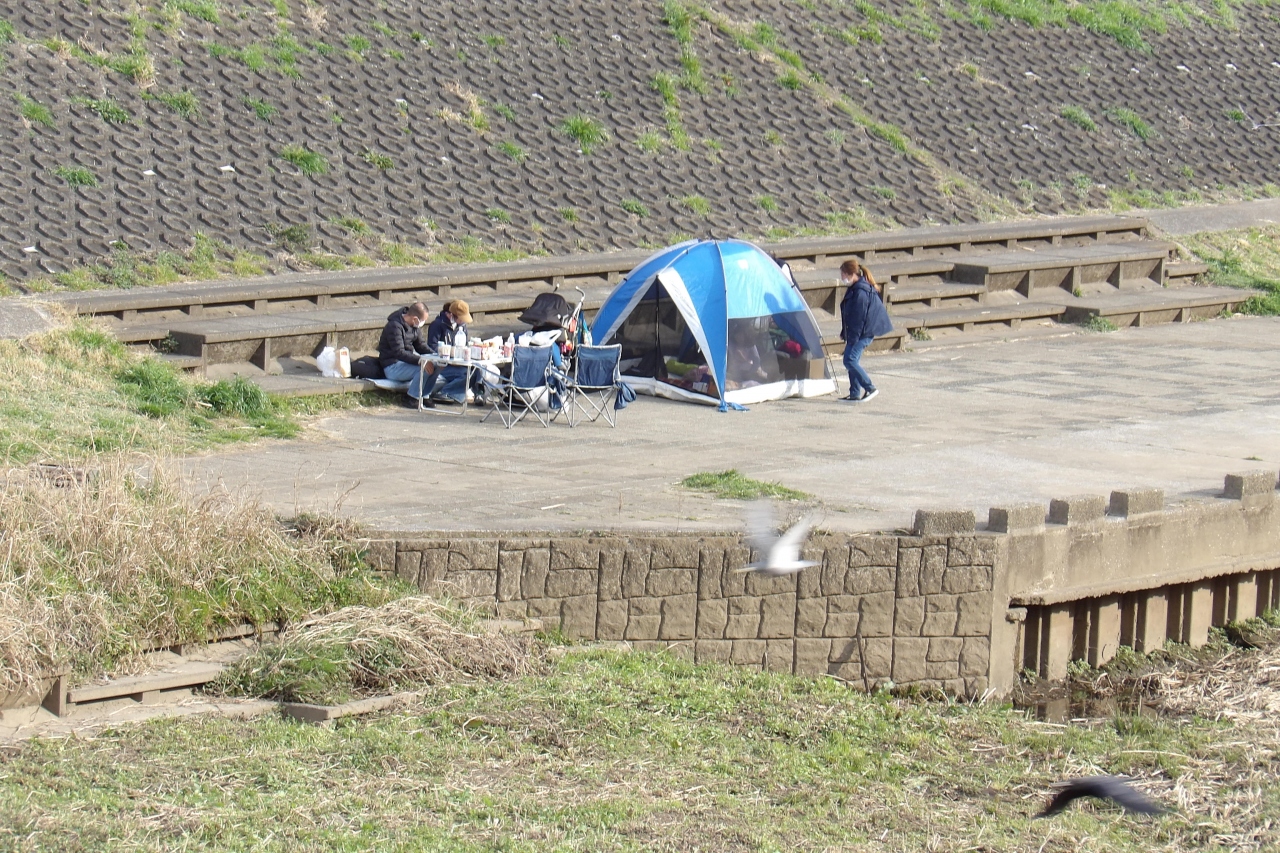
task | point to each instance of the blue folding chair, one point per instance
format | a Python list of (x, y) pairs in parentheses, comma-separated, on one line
[(520, 393), (591, 388)]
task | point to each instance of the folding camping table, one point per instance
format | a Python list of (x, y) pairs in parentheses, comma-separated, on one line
[(471, 364)]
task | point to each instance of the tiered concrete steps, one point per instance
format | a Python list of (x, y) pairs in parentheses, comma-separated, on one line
[(947, 280)]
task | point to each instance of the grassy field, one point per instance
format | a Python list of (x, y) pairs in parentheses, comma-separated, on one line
[(629, 751)]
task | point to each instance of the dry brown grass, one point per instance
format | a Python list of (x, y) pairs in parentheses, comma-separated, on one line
[(360, 651), (95, 569)]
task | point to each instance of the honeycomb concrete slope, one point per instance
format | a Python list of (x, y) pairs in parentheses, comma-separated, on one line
[(440, 122)]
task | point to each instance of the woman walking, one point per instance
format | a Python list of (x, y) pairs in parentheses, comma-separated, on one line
[(863, 317)]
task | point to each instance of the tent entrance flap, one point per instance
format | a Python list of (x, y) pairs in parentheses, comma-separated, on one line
[(657, 342)]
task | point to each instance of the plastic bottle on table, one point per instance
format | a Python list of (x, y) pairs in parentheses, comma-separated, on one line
[(509, 346)]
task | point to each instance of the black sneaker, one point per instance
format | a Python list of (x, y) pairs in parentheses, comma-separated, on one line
[(851, 398), (868, 395), (408, 402)]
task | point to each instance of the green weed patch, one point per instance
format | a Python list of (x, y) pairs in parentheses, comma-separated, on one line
[(734, 485)]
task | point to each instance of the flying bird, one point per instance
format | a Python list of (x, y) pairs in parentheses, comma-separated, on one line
[(1113, 788), (780, 555)]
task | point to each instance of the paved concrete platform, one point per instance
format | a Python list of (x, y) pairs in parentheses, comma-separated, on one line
[(1179, 221), (1173, 406)]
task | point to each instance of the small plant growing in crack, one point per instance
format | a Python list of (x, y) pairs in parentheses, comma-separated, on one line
[(497, 214)]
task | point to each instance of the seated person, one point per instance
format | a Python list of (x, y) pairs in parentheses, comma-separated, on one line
[(744, 366), (450, 327), (401, 350)]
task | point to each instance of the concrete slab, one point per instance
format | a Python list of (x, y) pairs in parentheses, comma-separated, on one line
[(17, 320), (1171, 407)]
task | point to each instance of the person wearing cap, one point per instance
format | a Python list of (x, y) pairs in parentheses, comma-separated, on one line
[(450, 327), (401, 351)]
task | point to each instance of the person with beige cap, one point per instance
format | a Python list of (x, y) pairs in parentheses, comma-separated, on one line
[(450, 327)]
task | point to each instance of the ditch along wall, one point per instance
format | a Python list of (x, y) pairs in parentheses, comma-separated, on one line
[(947, 606)]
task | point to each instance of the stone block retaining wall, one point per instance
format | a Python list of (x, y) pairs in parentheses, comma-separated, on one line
[(948, 606), (911, 609)]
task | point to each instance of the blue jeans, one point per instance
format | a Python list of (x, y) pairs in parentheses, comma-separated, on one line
[(859, 381), (454, 379), (411, 373)]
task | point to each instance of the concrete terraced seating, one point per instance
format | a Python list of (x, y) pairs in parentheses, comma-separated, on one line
[(951, 279), (317, 290)]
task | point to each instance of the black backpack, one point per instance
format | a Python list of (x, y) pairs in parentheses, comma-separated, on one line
[(366, 367)]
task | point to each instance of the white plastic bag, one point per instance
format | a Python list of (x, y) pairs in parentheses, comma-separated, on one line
[(328, 363)]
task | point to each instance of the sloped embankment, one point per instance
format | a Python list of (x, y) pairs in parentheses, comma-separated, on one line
[(286, 128)]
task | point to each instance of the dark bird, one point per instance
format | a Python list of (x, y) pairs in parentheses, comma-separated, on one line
[(1103, 788)]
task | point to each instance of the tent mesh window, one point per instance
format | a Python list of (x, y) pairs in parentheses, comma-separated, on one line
[(656, 341), (772, 348)]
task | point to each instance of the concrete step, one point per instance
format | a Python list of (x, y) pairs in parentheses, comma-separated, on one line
[(905, 297), (1165, 305), (966, 319), (1129, 265), (1179, 273)]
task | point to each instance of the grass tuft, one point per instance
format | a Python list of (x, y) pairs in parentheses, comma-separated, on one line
[(733, 485), (183, 103), (1131, 121), (308, 162), (33, 111), (585, 131), (1079, 117), (512, 150), (75, 176), (260, 107), (132, 556), (377, 160), (635, 207), (1098, 323), (107, 109)]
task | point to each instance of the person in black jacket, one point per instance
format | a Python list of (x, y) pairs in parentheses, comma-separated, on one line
[(863, 317), (450, 327), (402, 351)]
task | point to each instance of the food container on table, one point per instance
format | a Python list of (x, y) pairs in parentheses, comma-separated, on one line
[(477, 353), (445, 350)]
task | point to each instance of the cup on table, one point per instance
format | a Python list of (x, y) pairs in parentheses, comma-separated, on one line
[(444, 350)]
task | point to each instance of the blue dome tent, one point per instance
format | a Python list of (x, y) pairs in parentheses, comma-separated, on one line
[(714, 320)]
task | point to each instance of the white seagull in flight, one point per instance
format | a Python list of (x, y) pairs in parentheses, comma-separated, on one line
[(780, 555)]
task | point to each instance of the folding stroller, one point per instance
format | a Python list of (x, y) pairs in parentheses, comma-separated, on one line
[(526, 389), (591, 388)]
